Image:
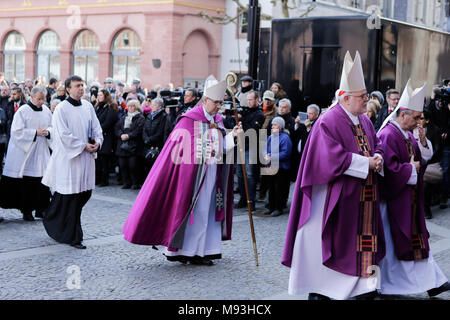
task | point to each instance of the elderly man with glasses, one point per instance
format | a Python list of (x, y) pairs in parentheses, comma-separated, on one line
[(392, 98), (335, 235), (408, 267)]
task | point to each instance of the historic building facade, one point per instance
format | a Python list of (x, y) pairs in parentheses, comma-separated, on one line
[(157, 41)]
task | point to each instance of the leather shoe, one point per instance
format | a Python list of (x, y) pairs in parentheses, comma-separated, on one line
[(126, 186), (316, 296), (276, 213), (240, 204), (428, 214), (1, 219), (367, 296), (201, 261), (268, 212), (39, 214), (436, 291), (79, 245), (28, 217)]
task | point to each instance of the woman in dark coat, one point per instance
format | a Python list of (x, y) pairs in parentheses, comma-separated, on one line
[(129, 145), (107, 113), (153, 133)]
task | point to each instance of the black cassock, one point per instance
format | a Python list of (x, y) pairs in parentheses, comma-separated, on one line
[(62, 220)]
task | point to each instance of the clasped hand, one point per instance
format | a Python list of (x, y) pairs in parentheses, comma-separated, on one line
[(376, 163)]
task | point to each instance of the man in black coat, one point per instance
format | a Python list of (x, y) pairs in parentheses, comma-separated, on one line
[(392, 99), (252, 119), (17, 99)]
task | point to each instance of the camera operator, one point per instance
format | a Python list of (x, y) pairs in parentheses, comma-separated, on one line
[(188, 102), (439, 109)]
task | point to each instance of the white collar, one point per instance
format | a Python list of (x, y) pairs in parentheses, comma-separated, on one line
[(209, 117), (405, 133), (354, 118)]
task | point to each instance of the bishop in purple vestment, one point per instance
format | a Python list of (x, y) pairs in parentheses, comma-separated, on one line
[(408, 267), (186, 203), (335, 235)]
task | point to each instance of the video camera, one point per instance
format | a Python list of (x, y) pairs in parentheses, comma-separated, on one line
[(442, 94), (171, 98), (228, 107)]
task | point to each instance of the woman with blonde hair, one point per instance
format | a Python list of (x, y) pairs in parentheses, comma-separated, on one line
[(372, 110), (129, 145)]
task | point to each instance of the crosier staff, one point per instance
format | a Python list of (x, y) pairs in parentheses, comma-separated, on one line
[(231, 79)]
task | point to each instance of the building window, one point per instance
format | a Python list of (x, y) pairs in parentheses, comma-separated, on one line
[(14, 56), (126, 58), (85, 56), (48, 56), (242, 24)]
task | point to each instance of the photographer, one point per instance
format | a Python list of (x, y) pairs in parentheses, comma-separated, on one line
[(190, 99), (252, 118), (439, 109)]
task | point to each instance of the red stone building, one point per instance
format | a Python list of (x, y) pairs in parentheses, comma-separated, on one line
[(157, 41)]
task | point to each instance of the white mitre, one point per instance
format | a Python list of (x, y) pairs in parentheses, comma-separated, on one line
[(214, 89), (410, 100), (352, 78)]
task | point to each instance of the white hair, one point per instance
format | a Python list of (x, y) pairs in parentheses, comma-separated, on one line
[(315, 107), (38, 89), (288, 102), (55, 101)]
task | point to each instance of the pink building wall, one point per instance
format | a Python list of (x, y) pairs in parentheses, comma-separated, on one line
[(162, 26)]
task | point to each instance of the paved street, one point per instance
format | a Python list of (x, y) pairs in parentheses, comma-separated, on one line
[(33, 266)]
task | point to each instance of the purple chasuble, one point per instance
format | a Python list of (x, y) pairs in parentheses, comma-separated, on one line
[(405, 202), (167, 199), (327, 155)]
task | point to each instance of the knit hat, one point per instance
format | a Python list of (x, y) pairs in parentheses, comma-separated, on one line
[(268, 94)]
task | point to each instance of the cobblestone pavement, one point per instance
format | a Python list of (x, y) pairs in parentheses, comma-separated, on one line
[(33, 266)]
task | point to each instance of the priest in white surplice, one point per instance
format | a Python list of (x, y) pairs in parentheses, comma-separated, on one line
[(409, 267), (27, 158), (76, 136), (335, 236)]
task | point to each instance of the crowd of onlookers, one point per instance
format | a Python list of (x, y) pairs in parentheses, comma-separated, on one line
[(137, 122)]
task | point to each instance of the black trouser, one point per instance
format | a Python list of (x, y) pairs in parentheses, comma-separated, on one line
[(102, 167), (129, 168), (278, 185)]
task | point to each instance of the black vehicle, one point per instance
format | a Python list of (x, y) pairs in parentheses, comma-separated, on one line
[(306, 55)]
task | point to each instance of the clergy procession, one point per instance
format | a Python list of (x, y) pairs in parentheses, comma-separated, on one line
[(356, 218)]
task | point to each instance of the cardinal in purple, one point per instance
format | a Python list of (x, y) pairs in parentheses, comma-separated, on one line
[(186, 203), (408, 267), (335, 235)]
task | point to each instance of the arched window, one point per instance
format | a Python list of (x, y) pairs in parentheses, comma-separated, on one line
[(126, 59), (48, 55), (14, 56), (85, 56)]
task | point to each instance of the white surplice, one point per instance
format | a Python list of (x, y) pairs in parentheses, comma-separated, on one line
[(204, 236), (71, 169), (28, 153), (407, 277), (308, 274)]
